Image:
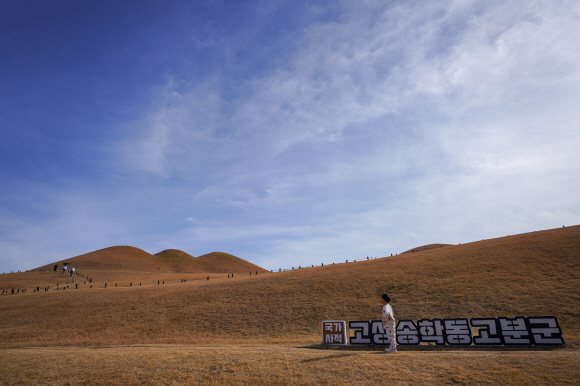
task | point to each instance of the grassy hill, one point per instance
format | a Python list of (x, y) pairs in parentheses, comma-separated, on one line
[(219, 262), (426, 248), (117, 258), (130, 261), (535, 273)]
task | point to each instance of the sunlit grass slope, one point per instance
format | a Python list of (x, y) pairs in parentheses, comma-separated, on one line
[(129, 259), (218, 262), (426, 248), (535, 273)]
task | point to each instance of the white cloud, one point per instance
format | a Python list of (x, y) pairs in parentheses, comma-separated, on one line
[(397, 124), (435, 117)]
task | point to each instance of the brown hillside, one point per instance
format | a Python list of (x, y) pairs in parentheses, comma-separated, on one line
[(132, 262), (174, 255), (426, 248), (175, 260), (119, 258), (535, 273), (219, 262)]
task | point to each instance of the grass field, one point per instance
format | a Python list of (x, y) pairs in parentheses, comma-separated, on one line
[(283, 365), (265, 328)]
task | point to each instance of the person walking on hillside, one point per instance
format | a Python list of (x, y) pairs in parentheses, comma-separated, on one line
[(389, 323), (64, 269), (72, 271)]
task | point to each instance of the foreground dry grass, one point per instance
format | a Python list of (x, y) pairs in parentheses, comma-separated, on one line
[(283, 365)]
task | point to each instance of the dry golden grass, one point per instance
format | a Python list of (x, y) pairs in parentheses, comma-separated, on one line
[(283, 365), (31, 280), (531, 274), (127, 259), (536, 273), (426, 248)]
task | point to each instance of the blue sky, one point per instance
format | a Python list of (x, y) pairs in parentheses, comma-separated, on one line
[(284, 132)]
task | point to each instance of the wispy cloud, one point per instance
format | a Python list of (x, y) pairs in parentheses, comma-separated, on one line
[(428, 117), (382, 127)]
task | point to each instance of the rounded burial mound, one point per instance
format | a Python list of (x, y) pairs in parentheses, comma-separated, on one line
[(174, 254), (220, 262), (426, 248), (126, 258), (118, 258), (179, 261)]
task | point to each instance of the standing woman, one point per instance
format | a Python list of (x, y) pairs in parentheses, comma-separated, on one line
[(389, 323)]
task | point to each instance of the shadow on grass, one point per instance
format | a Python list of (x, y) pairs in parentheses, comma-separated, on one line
[(435, 348), (327, 357)]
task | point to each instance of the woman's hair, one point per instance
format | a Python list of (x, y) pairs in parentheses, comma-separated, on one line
[(386, 297)]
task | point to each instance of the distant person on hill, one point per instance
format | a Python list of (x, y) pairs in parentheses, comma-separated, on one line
[(55, 267), (389, 323), (72, 271), (64, 269)]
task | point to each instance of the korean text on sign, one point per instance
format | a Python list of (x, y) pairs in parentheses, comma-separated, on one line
[(334, 332), (519, 330)]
